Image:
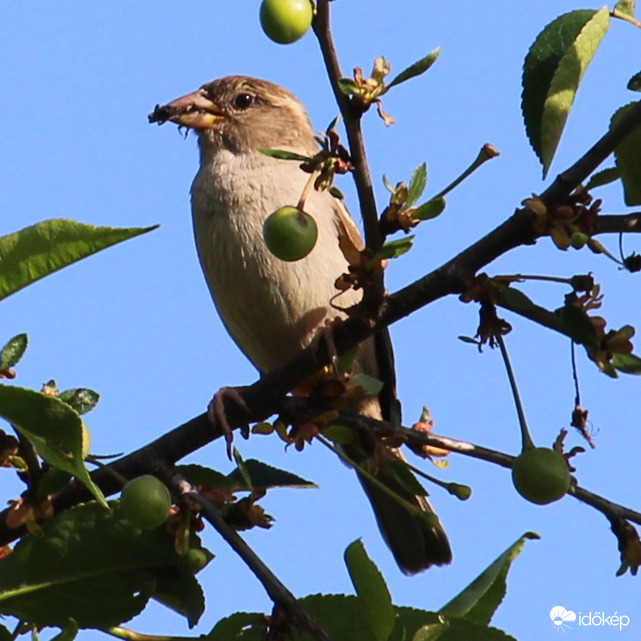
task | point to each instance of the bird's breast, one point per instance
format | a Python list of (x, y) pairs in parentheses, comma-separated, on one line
[(271, 308)]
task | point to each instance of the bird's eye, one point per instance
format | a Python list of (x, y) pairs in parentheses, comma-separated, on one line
[(243, 101)]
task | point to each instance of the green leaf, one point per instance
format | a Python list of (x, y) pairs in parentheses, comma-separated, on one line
[(12, 352), (552, 72), (427, 626), (371, 590), (200, 475), (418, 181), (90, 564), (263, 476), (578, 326), (82, 400), (634, 84), (456, 629), (627, 363), (242, 470), (388, 185), (625, 7), (347, 86), (341, 616), (339, 434), (343, 619), (603, 177), (515, 299), (395, 248), (345, 362), (5, 635), (628, 159), (431, 632), (336, 192), (37, 251), (480, 599), (419, 67), (176, 589), (53, 481), (53, 427), (240, 626), (282, 154), (368, 383), (332, 124), (430, 209)]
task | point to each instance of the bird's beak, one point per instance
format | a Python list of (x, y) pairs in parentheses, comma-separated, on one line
[(194, 110)]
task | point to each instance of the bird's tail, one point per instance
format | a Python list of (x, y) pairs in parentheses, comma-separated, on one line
[(415, 536), (416, 540)]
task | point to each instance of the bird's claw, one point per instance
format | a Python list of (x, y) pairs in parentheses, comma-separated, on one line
[(217, 416)]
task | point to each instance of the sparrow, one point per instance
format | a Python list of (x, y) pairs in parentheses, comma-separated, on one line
[(271, 308)]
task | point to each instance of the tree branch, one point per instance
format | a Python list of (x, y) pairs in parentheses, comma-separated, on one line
[(418, 439), (572, 177), (352, 119), (619, 224), (266, 395)]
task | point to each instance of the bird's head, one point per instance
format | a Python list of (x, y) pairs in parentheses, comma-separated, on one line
[(239, 114)]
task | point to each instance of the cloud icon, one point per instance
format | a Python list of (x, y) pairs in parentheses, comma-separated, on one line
[(560, 616)]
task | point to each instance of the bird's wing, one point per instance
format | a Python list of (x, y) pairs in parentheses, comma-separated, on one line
[(351, 244), (349, 237)]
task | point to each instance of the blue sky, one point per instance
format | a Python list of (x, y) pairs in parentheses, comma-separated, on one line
[(136, 322)]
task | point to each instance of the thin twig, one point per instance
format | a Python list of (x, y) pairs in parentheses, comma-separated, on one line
[(277, 592), (572, 177), (605, 506), (419, 438)]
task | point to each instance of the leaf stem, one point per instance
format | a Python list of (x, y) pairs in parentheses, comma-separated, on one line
[(122, 480), (615, 13), (486, 153), (131, 635)]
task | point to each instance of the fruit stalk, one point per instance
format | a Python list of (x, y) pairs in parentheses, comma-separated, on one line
[(526, 439)]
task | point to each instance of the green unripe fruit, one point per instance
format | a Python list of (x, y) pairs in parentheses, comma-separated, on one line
[(195, 560), (578, 239), (285, 21), (145, 502), (289, 233), (541, 475)]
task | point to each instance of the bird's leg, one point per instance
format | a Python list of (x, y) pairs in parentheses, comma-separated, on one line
[(217, 416)]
